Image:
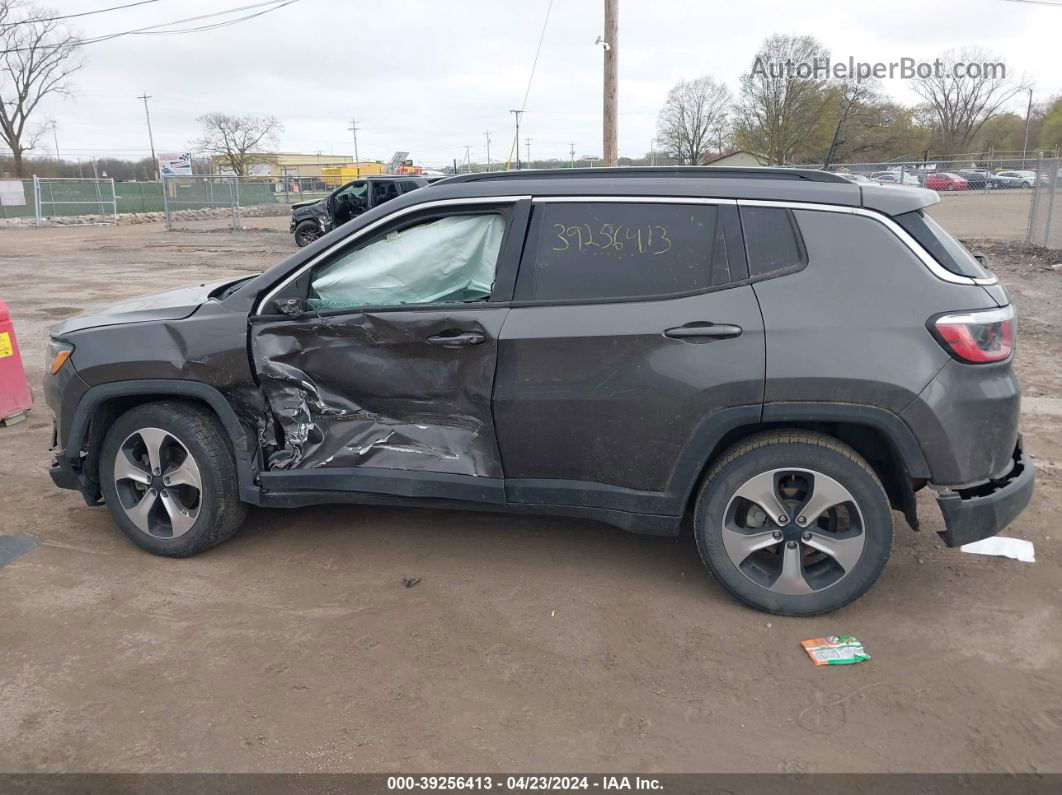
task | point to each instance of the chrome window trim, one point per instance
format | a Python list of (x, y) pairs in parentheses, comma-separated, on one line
[(934, 267), (633, 200), (354, 237)]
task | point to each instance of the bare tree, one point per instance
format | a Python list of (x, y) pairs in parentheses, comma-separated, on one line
[(238, 140), (692, 114), (781, 98), (960, 104), (37, 60), (851, 94)]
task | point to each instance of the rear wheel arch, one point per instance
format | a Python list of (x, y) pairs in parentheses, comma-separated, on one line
[(879, 436)]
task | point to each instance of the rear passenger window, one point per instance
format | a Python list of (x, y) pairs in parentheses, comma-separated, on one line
[(772, 240), (618, 250)]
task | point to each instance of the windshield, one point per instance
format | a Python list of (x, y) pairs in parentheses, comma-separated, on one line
[(944, 248)]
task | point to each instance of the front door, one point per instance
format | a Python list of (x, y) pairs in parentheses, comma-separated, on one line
[(388, 373), (349, 201), (633, 328)]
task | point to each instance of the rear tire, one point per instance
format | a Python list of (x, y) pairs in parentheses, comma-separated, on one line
[(306, 232), (793, 523), (168, 477)]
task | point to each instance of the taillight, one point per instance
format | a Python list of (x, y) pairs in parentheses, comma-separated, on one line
[(977, 337)]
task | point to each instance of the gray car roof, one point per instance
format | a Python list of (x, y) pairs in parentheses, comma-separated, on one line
[(779, 184)]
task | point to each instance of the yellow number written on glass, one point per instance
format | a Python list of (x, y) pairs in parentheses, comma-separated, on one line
[(648, 239)]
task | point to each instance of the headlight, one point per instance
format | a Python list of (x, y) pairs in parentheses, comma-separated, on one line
[(58, 353)]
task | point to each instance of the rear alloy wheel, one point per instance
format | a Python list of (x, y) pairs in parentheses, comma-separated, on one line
[(306, 232), (168, 477), (794, 523)]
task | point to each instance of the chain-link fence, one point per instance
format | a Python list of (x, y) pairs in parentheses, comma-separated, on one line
[(223, 201), (18, 199), (1045, 214), (90, 201), (980, 198)]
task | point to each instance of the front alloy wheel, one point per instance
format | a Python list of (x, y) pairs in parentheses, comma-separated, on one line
[(158, 483), (168, 475)]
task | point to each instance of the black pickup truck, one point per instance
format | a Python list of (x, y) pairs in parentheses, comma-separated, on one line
[(311, 219)]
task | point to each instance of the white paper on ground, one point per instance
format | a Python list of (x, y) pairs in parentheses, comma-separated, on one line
[(1004, 547)]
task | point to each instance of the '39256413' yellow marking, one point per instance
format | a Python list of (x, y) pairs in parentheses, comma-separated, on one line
[(6, 348)]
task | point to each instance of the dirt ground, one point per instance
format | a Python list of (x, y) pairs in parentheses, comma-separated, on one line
[(531, 643)]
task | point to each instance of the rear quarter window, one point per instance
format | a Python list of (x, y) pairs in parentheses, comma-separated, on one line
[(600, 251), (772, 240), (944, 248)]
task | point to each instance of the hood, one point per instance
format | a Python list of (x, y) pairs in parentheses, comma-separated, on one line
[(315, 206), (169, 305)]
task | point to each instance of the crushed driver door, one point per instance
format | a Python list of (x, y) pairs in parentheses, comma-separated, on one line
[(384, 376)]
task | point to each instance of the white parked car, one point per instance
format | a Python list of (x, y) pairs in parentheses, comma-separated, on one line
[(895, 178), (1013, 179)]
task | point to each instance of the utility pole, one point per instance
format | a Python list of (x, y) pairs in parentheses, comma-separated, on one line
[(151, 138), (487, 133), (357, 160), (517, 114), (528, 150), (1028, 114), (572, 152), (468, 159), (55, 138), (611, 47)]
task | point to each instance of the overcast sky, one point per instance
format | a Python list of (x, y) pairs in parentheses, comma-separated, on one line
[(431, 77)]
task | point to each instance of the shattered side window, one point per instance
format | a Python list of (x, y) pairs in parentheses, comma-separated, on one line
[(449, 259)]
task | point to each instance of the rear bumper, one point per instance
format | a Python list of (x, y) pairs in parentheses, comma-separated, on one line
[(981, 511)]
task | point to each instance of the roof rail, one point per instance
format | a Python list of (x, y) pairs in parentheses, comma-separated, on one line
[(694, 172)]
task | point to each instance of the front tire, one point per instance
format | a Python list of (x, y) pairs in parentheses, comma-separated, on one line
[(168, 477), (306, 232), (793, 523)]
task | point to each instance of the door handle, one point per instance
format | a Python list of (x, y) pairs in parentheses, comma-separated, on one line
[(703, 331), (458, 340)]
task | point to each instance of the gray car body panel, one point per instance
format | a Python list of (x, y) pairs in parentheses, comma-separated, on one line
[(638, 447), (597, 393), (966, 420), (173, 304), (858, 276)]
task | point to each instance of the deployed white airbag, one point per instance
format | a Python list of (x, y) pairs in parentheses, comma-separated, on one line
[(451, 259)]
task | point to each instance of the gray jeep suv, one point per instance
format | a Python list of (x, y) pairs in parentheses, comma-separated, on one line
[(782, 357)]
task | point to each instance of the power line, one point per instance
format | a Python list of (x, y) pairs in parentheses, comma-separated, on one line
[(268, 7), (81, 14), (527, 91), (1052, 3), (538, 50)]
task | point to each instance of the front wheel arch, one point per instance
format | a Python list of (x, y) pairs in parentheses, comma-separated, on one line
[(101, 405)]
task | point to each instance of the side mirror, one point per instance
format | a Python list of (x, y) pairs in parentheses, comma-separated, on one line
[(292, 307)]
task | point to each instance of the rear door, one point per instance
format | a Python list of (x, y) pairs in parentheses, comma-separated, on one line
[(633, 329)]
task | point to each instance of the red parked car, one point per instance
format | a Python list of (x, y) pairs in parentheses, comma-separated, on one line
[(946, 181)]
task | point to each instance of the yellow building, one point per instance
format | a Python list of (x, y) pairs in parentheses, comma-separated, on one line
[(340, 175), (289, 164)]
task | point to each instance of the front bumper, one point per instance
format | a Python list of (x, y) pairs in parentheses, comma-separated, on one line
[(66, 476), (983, 510)]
